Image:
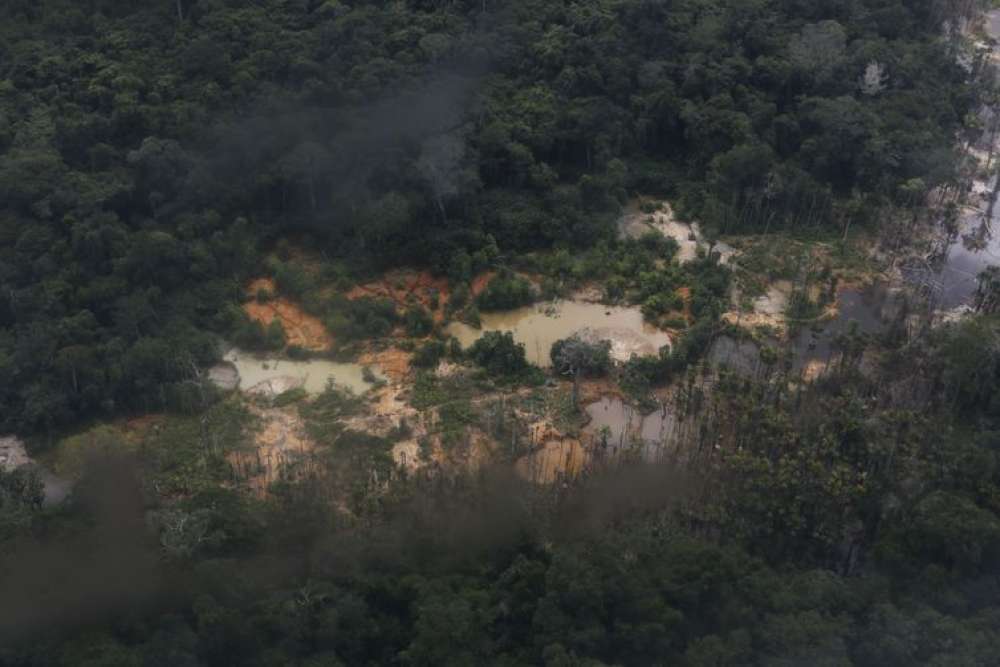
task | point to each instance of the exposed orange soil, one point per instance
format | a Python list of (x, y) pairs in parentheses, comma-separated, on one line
[(301, 329), (592, 390), (281, 447), (557, 456), (394, 363), (404, 288), (480, 282)]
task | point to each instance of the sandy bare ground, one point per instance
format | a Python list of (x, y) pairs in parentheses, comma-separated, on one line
[(688, 236)]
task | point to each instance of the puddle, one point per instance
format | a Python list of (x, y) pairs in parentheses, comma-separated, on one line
[(949, 275), (538, 327), (13, 455), (621, 426), (272, 376), (870, 310)]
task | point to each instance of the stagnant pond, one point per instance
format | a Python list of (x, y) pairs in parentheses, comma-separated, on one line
[(272, 376), (538, 327), (617, 426), (867, 311), (950, 273)]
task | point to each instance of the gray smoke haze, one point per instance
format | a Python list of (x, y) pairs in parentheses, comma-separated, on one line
[(77, 579), (114, 568), (338, 158)]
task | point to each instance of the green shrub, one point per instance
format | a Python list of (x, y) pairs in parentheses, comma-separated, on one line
[(505, 292), (573, 355), (501, 356), (292, 279), (419, 322), (289, 397), (801, 307), (429, 354), (274, 336), (362, 318)]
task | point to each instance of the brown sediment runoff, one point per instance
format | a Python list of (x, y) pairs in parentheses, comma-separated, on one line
[(556, 456), (301, 329), (405, 288), (281, 450), (395, 363)]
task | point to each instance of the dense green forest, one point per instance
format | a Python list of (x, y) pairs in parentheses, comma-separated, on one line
[(155, 155), (150, 150)]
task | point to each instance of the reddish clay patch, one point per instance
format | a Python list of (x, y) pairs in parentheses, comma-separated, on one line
[(406, 288), (301, 329), (480, 282), (393, 362)]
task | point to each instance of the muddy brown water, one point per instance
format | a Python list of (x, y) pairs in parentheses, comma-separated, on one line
[(311, 375), (538, 327), (620, 426)]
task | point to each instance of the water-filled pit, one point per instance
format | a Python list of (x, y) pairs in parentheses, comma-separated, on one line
[(271, 376), (538, 327)]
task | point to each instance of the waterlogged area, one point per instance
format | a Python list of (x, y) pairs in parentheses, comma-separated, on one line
[(538, 327), (861, 311), (950, 273), (615, 426), (272, 376)]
